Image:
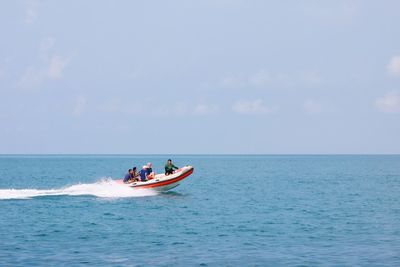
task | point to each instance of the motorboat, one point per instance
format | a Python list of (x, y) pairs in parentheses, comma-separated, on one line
[(162, 182)]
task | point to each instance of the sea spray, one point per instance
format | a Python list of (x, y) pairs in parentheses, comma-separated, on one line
[(105, 188)]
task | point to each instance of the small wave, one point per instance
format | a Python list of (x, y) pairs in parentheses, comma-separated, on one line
[(106, 188)]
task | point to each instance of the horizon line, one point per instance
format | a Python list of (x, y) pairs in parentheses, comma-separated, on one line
[(197, 154)]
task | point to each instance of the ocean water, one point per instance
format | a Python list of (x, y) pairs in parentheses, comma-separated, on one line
[(272, 210)]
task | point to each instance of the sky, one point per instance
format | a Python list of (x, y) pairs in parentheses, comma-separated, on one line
[(200, 77)]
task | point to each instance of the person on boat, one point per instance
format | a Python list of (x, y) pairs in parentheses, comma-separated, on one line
[(150, 173), (169, 167), (143, 174), (135, 175), (128, 176)]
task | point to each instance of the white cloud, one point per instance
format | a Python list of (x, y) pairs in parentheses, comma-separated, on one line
[(266, 79), (261, 78), (394, 66), (56, 67), (311, 77), (31, 78), (183, 109), (204, 109), (34, 77), (251, 107), (389, 103), (174, 109), (233, 81), (49, 67), (312, 107), (121, 106), (80, 105), (31, 11), (118, 105)]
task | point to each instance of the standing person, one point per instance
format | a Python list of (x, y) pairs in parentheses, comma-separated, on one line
[(169, 167), (128, 176), (143, 174), (150, 173)]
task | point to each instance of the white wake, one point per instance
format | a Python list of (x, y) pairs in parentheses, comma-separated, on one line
[(104, 188)]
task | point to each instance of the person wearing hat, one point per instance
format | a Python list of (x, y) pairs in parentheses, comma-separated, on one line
[(150, 173), (169, 167)]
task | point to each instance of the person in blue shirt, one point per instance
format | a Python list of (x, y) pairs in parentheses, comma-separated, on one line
[(128, 176), (143, 174)]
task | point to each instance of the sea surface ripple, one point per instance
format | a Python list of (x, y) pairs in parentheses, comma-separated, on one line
[(272, 210)]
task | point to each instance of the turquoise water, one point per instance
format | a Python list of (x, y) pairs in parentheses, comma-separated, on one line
[(233, 211)]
